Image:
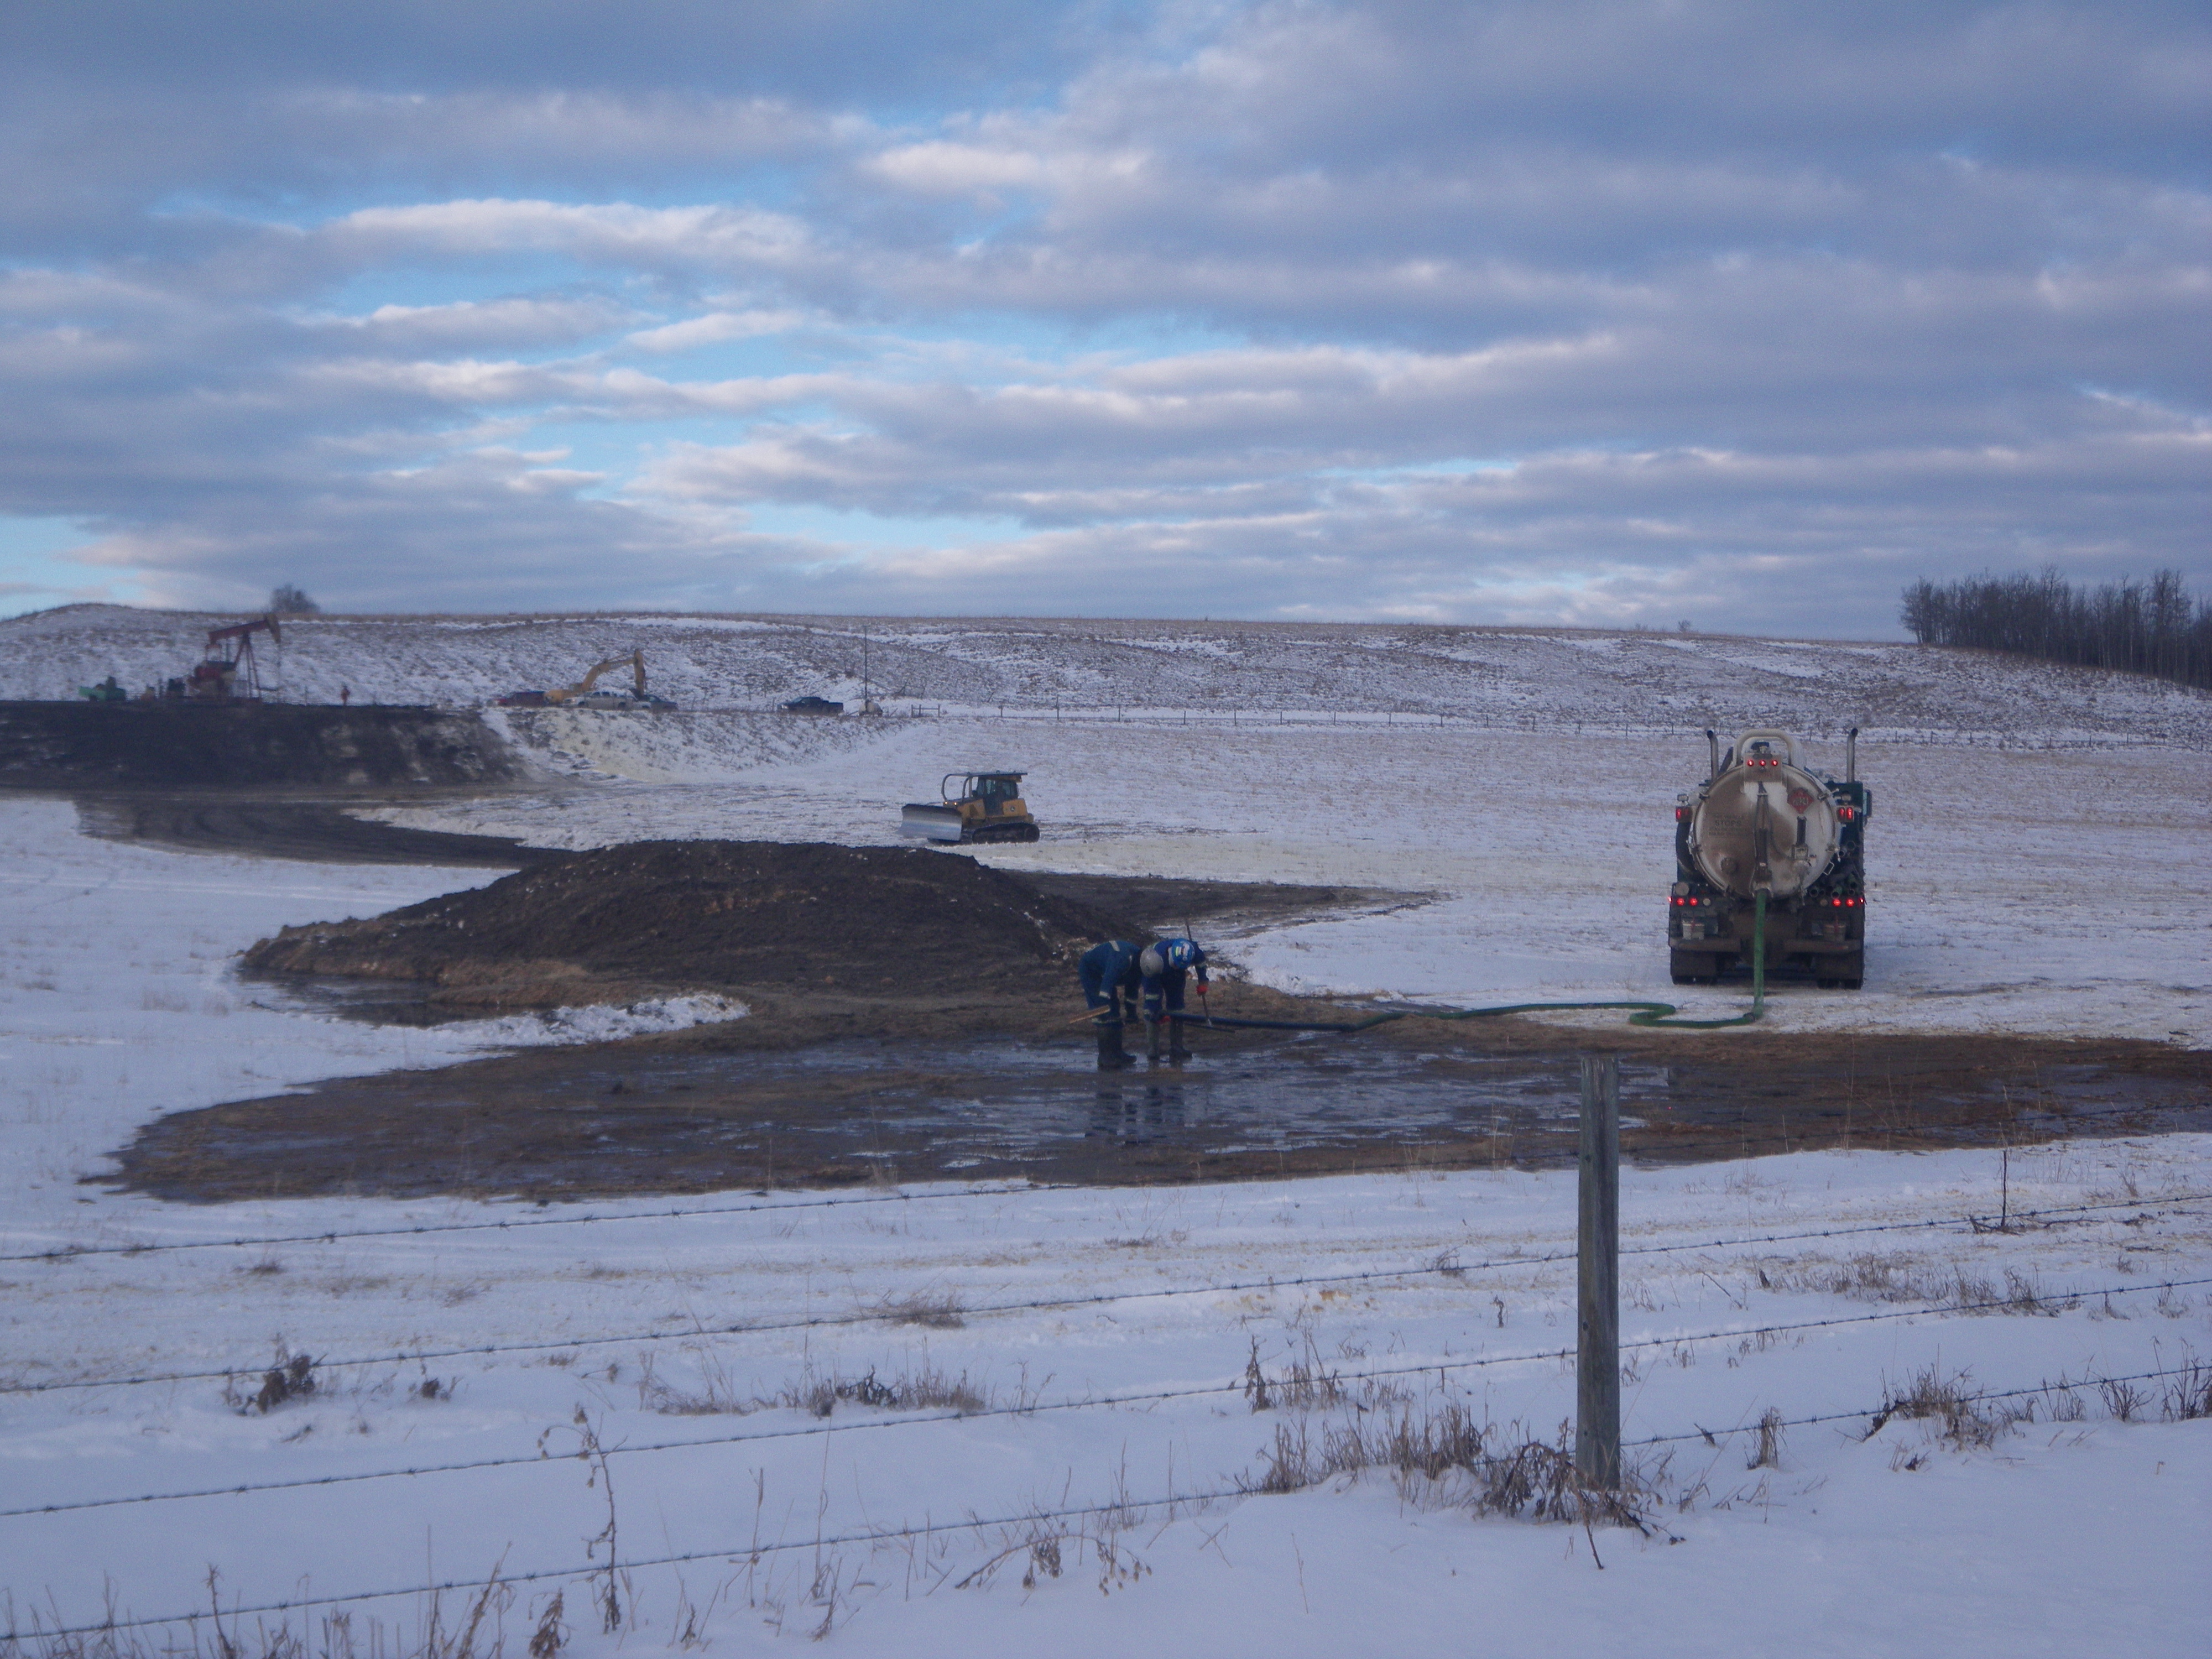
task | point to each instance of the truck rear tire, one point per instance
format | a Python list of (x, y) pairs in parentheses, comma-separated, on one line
[(1691, 967)]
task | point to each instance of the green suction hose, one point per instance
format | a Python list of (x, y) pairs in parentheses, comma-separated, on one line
[(1660, 1014)]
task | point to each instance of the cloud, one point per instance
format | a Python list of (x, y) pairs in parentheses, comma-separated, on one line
[(484, 530), (715, 328), (475, 324), (1579, 311), (620, 233), (832, 50)]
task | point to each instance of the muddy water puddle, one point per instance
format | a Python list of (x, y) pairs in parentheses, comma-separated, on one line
[(612, 1119), (1015, 1103)]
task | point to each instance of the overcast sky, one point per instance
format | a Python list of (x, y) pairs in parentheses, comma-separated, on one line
[(1742, 314)]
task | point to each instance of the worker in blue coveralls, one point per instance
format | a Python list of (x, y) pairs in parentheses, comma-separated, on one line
[(1110, 979), (1162, 967)]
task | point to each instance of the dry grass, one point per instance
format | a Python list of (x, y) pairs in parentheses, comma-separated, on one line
[(939, 1310), (1965, 1419), (1306, 1382), (291, 1376), (479, 1634), (1441, 1453), (926, 1390), (1437, 1450), (2124, 1399), (1767, 1453), (2189, 1397), (1898, 1278), (1047, 1549), (717, 1393)]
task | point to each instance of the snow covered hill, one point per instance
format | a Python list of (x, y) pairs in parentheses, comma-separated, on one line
[(1514, 679)]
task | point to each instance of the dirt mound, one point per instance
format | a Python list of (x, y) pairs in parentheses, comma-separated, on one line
[(71, 745), (716, 915)]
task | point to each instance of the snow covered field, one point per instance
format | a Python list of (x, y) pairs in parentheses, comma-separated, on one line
[(2051, 874), (2060, 891)]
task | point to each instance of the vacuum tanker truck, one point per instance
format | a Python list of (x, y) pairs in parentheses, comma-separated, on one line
[(1763, 823)]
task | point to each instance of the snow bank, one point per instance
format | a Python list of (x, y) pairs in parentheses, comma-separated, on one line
[(599, 1023)]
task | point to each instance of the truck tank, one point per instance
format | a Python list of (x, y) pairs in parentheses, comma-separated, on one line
[(1765, 824)]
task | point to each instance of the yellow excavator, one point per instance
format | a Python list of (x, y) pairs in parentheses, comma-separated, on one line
[(582, 694), (582, 688)]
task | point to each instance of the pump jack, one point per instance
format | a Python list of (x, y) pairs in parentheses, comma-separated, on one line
[(227, 673)]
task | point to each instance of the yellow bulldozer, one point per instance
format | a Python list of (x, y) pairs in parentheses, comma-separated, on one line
[(987, 806)]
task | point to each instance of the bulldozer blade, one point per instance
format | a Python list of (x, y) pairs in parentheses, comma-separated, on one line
[(930, 822)]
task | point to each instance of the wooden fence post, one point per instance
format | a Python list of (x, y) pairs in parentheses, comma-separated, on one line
[(1597, 1301)]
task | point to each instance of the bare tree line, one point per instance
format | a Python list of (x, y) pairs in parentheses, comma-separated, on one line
[(2138, 627)]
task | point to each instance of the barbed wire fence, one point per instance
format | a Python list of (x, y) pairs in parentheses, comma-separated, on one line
[(893, 1312), (1122, 1509), (2128, 1211)]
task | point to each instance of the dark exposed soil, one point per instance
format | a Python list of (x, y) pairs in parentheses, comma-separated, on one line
[(624, 921), (652, 917), (1161, 904), (89, 745), (319, 827), (258, 824), (914, 1016)]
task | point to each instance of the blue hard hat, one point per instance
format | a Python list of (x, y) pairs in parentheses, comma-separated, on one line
[(1182, 953)]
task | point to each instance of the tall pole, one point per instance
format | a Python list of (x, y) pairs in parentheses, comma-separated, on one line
[(1598, 1300)]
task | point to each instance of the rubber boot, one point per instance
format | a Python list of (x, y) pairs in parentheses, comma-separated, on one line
[(1152, 1040), (1110, 1056), (1177, 1053)]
